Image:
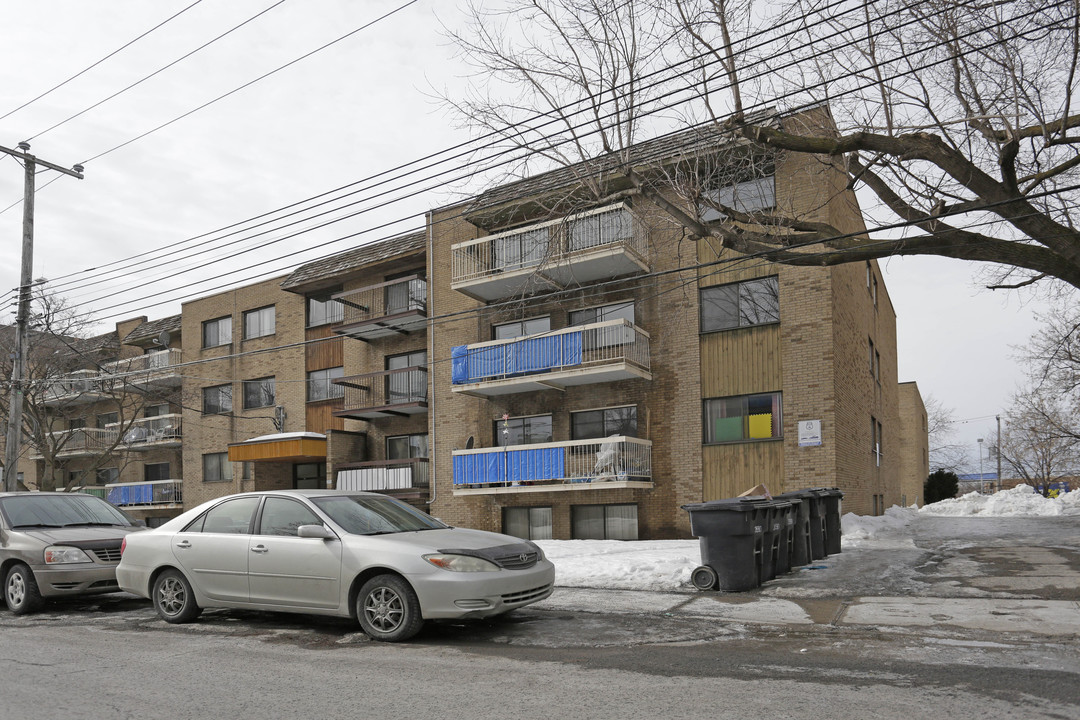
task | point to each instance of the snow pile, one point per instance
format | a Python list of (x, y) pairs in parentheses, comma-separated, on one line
[(623, 564), (859, 530), (1021, 500)]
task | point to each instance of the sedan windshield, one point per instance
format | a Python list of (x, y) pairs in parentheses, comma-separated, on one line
[(368, 515), (59, 510)]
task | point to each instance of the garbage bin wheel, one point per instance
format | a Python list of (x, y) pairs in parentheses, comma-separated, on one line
[(704, 578)]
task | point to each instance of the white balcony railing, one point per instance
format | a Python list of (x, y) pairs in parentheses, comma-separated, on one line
[(157, 431), (152, 368), (615, 459), (77, 441), (606, 242), (81, 386), (579, 355), (384, 475)]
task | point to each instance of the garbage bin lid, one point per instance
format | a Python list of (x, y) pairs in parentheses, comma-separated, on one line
[(725, 505)]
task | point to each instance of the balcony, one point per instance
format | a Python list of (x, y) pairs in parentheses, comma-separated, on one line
[(158, 368), (384, 475), (395, 307), (581, 355), (78, 442), (142, 494), (390, 393), (161, 431), (581, 248), (81, 386), (614, 462)]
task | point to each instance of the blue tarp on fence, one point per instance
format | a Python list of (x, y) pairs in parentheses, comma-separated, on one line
[(131, 495), (531, 355), (508, 466)]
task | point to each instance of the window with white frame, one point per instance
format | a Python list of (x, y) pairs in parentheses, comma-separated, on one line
[(216, 467), (521, 328), (320, 384), (604, 522), (217, 399), (601, 228), (527, 523), (522, 430), (603, 423), (260, 322), (322, 309), (741, 304), (746, 196), (217, 332), (406, 386), (406, 447), (743, 417), (258, 393)]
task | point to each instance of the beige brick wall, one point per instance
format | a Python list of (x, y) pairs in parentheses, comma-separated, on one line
[(914, 445)]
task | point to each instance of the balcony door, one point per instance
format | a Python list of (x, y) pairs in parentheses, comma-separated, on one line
[(406, 386)]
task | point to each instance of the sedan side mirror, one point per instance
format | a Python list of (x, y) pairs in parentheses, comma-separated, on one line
[(315, 531)]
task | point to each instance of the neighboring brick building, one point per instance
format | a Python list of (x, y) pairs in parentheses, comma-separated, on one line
[(537, 364)]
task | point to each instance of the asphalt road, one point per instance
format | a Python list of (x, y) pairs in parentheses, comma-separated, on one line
[(848, 639)]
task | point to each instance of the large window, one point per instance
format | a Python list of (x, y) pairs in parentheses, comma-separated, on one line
[(258, 323), (406, 387), (608, 336), (155, 471), (217, 399), (322, 310), (744, 417), (523, 430), (518, 250), (405, 447), (108, 475), (216, 467), (604, 423), (528, 523), (742, 304), (156, 410), (217, 332), (258, 393), (745, 196), (521, 328), (320, 385), (603, 522), (601, 228)]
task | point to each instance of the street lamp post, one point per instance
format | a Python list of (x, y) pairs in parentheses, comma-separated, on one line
[(982, 480)]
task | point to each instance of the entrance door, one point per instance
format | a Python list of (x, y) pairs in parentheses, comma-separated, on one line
[(309, 476)]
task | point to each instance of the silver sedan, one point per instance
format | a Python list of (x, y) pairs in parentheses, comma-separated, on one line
[(360, 555)]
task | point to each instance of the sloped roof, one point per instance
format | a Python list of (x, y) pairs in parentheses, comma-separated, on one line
[(323, 272), (107, 344), (152, 329)]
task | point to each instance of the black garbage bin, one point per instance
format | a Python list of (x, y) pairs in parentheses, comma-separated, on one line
[(800, 530), (817, 524), (831, 498), (788, 509), (772, 515), (730, 536)]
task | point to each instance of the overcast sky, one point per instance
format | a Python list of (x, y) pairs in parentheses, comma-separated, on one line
[(122, 241)]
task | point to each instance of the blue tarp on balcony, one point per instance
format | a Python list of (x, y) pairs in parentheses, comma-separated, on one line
[(131, 495), (510, 466), (529, 355)]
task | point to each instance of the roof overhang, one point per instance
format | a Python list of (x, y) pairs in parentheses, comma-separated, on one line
[(303, 447)]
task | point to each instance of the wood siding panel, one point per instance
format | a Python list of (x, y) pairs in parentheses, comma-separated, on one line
[(740, 362), (320, 416), (326, 354), (729, 470)]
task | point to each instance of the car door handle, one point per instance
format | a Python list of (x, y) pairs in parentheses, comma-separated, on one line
[(183, 544), (259, 549)]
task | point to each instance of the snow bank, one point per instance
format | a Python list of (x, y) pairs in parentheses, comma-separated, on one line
[(860, 530), (623, 565), (1021, 500)]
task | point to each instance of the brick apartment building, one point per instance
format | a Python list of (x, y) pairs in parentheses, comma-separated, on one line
[(540, 364)]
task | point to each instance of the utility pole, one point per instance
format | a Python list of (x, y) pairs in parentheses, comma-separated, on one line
[(22, 316), (997, 446)]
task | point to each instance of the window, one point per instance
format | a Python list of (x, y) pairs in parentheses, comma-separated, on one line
[(246, 469), (527, 523), (523, 430), (108, 475), (216, 467), (217, 399), (76, 423), (521, 328), (320, 384), (110, 418), (746, 196), (405, 295), (608, 336), (258, 393), (322, 310), (601, 228), (875, 440), (406, 387), (155, 471), (521, 249), (156, 410), (604, 423), (404, 447), (309, 476), (259, 323), (742, 304), (231, 517), (743, 417), (282, 517), (603, 522), (875, 362), (217, 332)]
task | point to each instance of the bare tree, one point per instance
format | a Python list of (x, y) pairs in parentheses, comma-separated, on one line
[(1032, 443), (956, 116), (945, 453)]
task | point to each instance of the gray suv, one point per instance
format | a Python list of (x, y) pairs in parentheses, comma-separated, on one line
[(57, 544)]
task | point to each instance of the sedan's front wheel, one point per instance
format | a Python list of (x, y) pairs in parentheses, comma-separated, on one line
[(174, 599), (21, 590), (388, 609)]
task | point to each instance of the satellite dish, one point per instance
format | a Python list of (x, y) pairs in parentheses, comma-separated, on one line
[(163, 339), (469, 443)]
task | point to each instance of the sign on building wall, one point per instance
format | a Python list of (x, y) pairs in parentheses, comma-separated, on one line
[(809, 433)]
